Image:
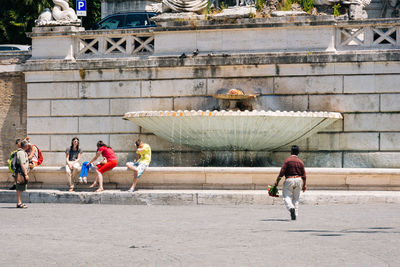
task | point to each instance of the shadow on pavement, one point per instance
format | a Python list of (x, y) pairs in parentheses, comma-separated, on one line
[(372, 230), (275, 220)]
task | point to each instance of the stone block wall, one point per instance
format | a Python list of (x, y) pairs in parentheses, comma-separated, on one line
[(12, 112), (89, 101), (13, 102)]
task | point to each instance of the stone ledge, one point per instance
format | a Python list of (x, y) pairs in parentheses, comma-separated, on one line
[(216, 59), (198, 197), (219, 178), (267, 170)]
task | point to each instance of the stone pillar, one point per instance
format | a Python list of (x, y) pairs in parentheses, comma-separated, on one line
[(55, 42)]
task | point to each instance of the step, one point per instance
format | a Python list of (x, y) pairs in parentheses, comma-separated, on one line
[(199, 197)]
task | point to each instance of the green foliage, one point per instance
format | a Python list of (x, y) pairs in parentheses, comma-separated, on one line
[(336, 8), (93, 13), (252, 15), (307, 5), (223, 6), (17, 17), (286, 5), (260, 5), (207, 10)]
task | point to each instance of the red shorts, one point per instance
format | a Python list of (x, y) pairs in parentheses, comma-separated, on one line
[(108, 166)]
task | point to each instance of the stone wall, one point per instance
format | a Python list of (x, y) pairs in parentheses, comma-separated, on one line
[(86, 100), (13, 102)]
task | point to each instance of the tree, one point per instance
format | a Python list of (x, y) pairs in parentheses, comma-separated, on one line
[(93, 13), (18, 17)]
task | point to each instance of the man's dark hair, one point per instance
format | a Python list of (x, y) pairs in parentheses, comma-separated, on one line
[(17, 141), (24, 143), (137, 142), (295, 150)]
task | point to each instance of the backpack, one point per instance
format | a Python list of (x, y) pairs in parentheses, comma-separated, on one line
[(12, 162), (40, 156)]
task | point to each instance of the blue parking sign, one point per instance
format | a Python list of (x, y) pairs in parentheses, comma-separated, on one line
[(81, 8)]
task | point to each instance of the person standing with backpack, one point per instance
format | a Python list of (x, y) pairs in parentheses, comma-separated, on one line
[(21, 172), (10, 167)]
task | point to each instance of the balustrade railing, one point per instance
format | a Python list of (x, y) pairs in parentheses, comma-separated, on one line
[(368, 37), (123, 44), (126, 43)]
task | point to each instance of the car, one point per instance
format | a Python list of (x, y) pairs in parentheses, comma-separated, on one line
[(126, 21), (14, 47)]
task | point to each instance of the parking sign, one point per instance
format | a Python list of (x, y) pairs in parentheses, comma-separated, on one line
[(81, 8)]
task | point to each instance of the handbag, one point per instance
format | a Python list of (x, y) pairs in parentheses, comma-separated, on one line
[(21, 178)]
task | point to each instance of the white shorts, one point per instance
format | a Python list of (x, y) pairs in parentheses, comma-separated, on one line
[(139, 166)]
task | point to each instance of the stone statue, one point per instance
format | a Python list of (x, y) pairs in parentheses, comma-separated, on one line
[(356, 7), (178, 6), (62, 15)]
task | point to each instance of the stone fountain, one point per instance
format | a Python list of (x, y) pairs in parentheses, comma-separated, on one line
[(234, 128)]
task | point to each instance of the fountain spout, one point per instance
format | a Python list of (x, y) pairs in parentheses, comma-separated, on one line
[(234, 99)]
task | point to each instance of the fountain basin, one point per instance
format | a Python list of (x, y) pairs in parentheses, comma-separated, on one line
[(233, 130)]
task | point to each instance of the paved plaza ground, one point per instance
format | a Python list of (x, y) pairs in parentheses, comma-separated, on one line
[(245, 235)]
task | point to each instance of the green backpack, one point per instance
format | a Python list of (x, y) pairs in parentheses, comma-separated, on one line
[(12, 161)]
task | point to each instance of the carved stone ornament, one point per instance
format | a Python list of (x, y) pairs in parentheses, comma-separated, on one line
[(62, 15), (356, 7), (178, 6)]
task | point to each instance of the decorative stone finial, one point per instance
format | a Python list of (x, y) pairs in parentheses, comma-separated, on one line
[(62, 15)]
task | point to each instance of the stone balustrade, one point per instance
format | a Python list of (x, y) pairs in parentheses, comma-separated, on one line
[(219, 178), (292, 34), (379, 35), (123, 44)]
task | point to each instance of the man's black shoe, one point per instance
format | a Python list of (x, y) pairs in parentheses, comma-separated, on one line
[(13, 187), (293, 214)]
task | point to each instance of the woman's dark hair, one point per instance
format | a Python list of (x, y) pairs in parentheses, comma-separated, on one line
[(137, 142), (72, 143), (100, 144), (295, 150)]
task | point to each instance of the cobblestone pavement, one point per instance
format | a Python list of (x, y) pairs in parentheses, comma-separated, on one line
[(111, 235)]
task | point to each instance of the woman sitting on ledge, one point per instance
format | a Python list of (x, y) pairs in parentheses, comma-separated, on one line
[(73, 156), (110, 161)]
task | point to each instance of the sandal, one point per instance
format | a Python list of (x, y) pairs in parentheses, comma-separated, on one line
[(71, 189), (93, 185), (22, 206), (99, 190)]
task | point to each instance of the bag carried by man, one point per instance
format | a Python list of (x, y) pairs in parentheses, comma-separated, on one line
[(12, 162)]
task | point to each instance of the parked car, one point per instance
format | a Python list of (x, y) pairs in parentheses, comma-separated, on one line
[(126, 21), (14, 47)]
